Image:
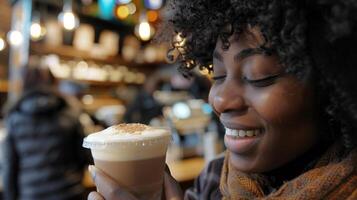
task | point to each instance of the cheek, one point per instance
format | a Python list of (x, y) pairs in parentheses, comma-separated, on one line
[(285, 110), (281, 103)]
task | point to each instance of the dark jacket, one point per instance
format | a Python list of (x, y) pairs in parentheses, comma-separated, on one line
[(44, 158), (206, 186)]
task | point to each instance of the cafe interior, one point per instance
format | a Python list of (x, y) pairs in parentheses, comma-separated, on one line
[(107, 56)]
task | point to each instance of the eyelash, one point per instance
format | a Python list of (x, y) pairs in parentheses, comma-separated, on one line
[(264, 81), (257, 83), (216, 78)]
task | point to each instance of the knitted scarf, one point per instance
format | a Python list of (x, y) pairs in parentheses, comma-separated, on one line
[(331, 178)]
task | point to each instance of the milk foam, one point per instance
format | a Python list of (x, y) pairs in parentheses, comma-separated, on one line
[(128, 142)]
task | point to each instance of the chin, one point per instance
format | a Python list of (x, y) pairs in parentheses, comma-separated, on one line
[(246, 164)]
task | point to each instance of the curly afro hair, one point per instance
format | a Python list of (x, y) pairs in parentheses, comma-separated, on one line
[(307, 35)]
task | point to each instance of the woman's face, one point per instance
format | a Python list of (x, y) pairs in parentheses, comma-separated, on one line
[(268, 115)]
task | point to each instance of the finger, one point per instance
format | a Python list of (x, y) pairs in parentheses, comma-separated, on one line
[(172, 188), (95, 196), (108, 187)]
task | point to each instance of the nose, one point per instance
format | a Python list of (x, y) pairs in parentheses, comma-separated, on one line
[(228, 97)]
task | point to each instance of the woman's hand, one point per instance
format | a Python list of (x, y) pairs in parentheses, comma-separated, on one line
[(108, 189)]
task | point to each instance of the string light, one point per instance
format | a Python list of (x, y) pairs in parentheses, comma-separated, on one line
[(35, 31), (15, 38), (68, 19), (144, 30), (2, 44)]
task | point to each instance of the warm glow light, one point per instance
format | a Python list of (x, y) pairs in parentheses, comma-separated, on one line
[(132, 8), (144, 31), (15, 38), (69, 20), (122, 12), (153, 4), (152, 15), (204, 71), (2, 44), (36, 31)]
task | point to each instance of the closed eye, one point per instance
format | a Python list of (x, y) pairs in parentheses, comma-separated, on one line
[(219, 77), (264, 81)]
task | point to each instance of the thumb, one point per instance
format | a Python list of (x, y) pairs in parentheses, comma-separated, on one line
[(108, 187), (172, 188)]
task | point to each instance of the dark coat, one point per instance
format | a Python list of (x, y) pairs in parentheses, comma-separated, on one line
[(44, 158), (206, 186)]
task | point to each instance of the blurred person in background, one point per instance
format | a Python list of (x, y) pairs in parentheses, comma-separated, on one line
[(145, 107), (44, 158)]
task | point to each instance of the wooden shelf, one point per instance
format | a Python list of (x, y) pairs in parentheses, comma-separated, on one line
[(70, 53), (101, 83)]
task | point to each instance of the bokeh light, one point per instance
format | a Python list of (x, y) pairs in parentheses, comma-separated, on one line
[(144, 31), (2, 44), (36, 31), (152, 15), (122, 12), (132, 8), (15, 38), (153, 4)]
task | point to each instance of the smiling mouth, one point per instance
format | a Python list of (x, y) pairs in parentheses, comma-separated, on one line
[(240, 134)]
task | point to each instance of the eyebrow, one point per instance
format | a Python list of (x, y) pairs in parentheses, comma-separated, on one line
[(242, 54), (245, 53)]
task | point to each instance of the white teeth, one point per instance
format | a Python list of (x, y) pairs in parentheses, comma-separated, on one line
[(242, 133), (250, 133)]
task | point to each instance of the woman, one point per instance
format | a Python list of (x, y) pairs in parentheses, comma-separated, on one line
[(284, 91)]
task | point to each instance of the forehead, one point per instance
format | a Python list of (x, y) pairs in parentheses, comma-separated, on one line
[(251, 37)]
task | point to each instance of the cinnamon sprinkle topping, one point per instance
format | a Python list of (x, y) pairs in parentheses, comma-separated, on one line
[(133, 128)]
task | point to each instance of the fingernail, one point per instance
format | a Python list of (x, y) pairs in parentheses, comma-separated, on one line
[(91, 171)]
